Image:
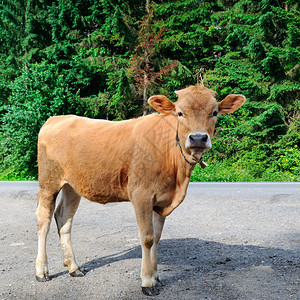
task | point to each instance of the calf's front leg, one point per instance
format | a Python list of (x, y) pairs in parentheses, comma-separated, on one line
[(143, 212), (158, 224)]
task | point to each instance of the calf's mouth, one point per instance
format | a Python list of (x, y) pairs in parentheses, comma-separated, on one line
[(197, 150)]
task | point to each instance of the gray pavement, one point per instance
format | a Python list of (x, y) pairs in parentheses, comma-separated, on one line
[(225, 241)]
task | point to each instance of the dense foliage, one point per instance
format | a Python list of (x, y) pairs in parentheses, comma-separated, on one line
[(104, 58)]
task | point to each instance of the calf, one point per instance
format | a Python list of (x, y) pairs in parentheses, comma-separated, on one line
[(147, 161)]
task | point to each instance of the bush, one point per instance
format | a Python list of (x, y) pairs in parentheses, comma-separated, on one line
[(37, 94)]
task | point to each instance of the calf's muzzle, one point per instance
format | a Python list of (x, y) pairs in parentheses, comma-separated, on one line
[(198, 140)]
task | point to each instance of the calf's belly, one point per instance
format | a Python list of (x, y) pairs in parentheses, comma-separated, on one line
[(102, 187)]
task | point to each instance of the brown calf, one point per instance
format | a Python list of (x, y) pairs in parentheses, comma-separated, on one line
[(147, 161)]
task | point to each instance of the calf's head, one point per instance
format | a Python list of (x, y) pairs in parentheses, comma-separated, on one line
[(197, 111)]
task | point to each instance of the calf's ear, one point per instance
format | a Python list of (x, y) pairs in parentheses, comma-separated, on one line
[(162, 104), (231, 103)]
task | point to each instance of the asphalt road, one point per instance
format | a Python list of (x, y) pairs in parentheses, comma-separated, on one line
[(225, 241)]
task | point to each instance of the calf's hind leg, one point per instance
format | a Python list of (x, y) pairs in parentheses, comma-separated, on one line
[(44, 213), (64, 214)]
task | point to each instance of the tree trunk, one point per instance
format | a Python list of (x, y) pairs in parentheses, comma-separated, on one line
[(146, 63), (145, 93)]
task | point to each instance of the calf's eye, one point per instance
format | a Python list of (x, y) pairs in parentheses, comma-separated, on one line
[(180, 114), (215, 113)]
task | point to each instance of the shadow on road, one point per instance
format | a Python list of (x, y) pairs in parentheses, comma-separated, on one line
[(190, 258)]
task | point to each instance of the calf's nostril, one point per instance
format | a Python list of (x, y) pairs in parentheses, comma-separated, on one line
[(192, 138), (204, 138)]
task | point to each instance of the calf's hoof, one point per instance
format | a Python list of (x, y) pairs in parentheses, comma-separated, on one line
[(77, 273), (150, 291), (42, 278), (158, 282)]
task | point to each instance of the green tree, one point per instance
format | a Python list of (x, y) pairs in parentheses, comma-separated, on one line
[(145, 72), (40, 92), (104, 58)]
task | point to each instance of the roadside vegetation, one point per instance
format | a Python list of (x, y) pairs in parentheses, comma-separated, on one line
[(103, 59)]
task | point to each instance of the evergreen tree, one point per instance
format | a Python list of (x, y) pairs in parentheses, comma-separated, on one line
[(145, 73), (101, 58)]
